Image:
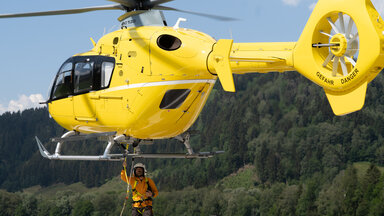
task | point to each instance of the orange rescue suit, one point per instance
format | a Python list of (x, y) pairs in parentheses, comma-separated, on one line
[(139, 187)]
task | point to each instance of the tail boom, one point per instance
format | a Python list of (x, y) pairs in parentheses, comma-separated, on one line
[(341, 49)]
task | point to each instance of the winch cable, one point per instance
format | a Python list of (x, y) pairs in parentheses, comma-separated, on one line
[(126, 177)]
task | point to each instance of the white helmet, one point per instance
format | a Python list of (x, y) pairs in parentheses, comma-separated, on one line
[(140, 165)]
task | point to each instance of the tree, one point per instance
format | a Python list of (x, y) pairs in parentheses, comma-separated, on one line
[(350, 191), (288, 200), (28, 206), (8, 203), (44, 207), (306, 205), (367, 186), (105, 204), (377, 203), (83, 208)]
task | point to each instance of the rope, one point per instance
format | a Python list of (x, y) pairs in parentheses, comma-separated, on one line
[(126, 177)]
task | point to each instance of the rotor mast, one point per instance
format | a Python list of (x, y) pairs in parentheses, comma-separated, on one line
[(149, 18)]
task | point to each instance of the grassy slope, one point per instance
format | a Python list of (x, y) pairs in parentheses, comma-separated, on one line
[(114, 185), (243, 178), (362, 168)]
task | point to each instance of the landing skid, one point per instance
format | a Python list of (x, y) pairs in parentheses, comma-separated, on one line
[(112, 140)]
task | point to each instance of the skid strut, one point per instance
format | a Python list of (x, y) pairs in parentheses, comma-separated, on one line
[(73, 136), (112, 139)]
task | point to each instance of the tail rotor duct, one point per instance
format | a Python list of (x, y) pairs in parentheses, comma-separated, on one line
[(341, 52)]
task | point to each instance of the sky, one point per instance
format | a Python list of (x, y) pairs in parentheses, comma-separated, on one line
[(32, 49)]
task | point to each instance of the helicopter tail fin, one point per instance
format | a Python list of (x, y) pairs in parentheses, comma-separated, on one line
[(222, 65), (342, 50), (347, 102)]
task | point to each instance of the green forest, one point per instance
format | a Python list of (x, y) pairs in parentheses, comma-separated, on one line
[(286, 153)]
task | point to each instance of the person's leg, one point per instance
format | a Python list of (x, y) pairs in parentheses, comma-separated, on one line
[(135, 212), (148, 211)]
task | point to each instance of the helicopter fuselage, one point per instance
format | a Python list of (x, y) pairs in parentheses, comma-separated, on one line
[(151, 82), (145, 82)]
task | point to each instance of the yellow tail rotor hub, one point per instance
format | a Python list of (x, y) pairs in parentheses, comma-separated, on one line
[(340, 45)]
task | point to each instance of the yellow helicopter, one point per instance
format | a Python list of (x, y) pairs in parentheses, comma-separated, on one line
[(150, 81)]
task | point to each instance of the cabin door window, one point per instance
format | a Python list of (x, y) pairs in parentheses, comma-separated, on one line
[(83, 77)]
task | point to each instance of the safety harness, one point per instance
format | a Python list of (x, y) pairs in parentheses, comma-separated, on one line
[(139, 195)]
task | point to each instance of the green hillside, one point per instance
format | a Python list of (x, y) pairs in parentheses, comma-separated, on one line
[(235, 194), (285, 154)]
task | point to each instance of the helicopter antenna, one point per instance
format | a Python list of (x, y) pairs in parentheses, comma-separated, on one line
[(177, 25), (230, 33), (381, 10), (111, 29)]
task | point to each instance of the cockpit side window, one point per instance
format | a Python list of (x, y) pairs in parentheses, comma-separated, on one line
[(83, 76), (63, 84), (106, 73)]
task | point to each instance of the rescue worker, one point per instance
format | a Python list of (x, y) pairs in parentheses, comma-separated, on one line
[(143, 190)]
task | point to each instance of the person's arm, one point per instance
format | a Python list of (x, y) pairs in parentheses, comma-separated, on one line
[(123, 176), (155, 192), (123, 173)]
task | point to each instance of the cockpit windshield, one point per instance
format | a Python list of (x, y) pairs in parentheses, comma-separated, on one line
[(82, 74), (63, 81)]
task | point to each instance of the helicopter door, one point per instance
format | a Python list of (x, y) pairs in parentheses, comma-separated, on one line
[(83, 106)]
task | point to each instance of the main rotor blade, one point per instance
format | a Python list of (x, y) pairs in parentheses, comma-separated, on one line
[(222, 18), (132, 13), (63, 12), (126, 3), (152, 4)]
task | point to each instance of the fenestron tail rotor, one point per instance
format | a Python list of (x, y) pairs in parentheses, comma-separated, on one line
[(131, 7), (342, 48)]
